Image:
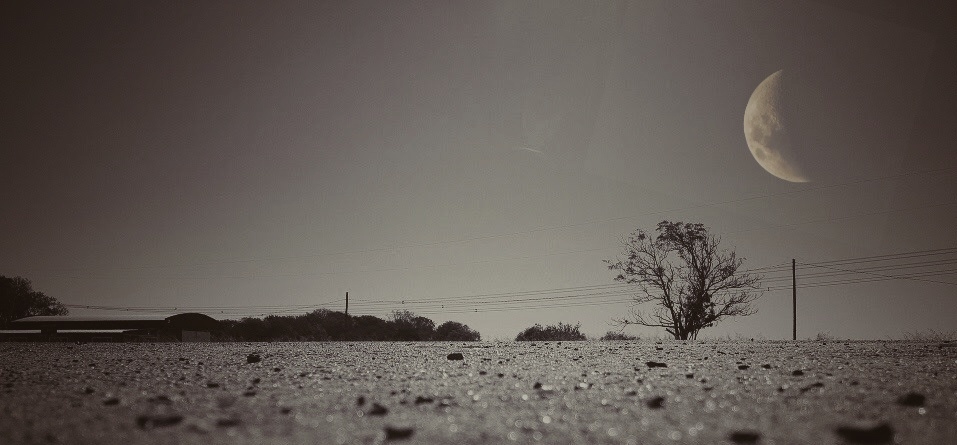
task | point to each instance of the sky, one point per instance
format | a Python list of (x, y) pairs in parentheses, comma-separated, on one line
[(474, 161)]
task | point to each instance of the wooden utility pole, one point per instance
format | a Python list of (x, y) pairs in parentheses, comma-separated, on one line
[(794, 300), (347, 303)]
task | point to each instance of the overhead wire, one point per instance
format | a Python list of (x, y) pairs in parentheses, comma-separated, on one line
[(550, 228)]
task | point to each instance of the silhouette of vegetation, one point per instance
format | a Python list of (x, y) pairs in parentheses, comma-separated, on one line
[(410, 327), (617, 336), (561, 331), (455, 331), (327, 325), (18, 300), (692, 282)]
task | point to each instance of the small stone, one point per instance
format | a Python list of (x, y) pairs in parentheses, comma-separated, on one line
[(420, 400), (766, 366), (911, 399), (86, 390), (212, 385), (797, 373), (149, 422), (689, 375), (397, 433), (812, 386), (253, 358), (285, 410), (880, 433), (228, 422), (743, 367), (378, 410), (656, 402), (455, 356), (249, 393), (360, 401), (653, 364), (537, 385), (160, 400), (112, 401), (746, 437), (256, 380)]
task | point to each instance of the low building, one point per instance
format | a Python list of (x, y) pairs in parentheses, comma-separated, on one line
[(180, 327)]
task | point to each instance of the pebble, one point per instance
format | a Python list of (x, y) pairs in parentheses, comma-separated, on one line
[(253, 358), (656, 402), (455, 356), (746, 437), (911, 399), (160, 400), (112, 401), (797, 373), (743, 367), (397, 433), (378, 410), (159, 421), (652, 364), (880, 433), (420, 400), (228, 422)]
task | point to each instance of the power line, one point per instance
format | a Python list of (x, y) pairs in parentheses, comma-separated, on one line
[(903, 277), (550, 228), (880, 268)]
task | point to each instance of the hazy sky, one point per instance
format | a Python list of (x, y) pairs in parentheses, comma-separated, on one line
[(235, 154)]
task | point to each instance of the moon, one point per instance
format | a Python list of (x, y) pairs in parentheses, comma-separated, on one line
[(766, 131)]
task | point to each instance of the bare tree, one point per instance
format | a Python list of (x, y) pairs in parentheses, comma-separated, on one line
[(692, 282)]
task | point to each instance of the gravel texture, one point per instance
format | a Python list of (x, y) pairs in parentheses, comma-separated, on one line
[(421, 393)]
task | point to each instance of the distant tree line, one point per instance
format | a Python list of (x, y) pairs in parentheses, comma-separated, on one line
[(327, 325), (18, 300)]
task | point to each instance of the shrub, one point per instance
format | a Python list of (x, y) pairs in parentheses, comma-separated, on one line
[(617, 336), (455, 331), (561, 331)]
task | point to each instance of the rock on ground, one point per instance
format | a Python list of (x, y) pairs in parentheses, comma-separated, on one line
[(504, 392)]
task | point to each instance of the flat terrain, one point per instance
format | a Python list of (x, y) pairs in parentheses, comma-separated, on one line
[(545, 392)]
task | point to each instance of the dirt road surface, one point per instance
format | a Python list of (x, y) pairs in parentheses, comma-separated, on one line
[(642, 392)]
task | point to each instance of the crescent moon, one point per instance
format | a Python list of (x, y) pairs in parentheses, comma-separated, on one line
[(766, 132)]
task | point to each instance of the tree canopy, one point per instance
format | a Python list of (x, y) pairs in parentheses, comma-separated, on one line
[(327, 325), (18, 300), (692, 282)]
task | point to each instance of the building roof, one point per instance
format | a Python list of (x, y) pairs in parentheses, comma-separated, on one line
[(190, 321)]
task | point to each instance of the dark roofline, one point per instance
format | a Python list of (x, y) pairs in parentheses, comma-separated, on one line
[(186, 321)]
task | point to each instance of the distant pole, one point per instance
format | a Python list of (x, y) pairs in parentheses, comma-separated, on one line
[(347, 303), (794, 300)]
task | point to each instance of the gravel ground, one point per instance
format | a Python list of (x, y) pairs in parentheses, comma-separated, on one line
[(545, 392)]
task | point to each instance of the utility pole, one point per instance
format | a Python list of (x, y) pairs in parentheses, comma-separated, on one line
[(794, 300), (347, 303)]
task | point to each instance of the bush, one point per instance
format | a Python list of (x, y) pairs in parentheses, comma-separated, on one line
[(455, 331), (562, 331), (325, 325), (617, 336)]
